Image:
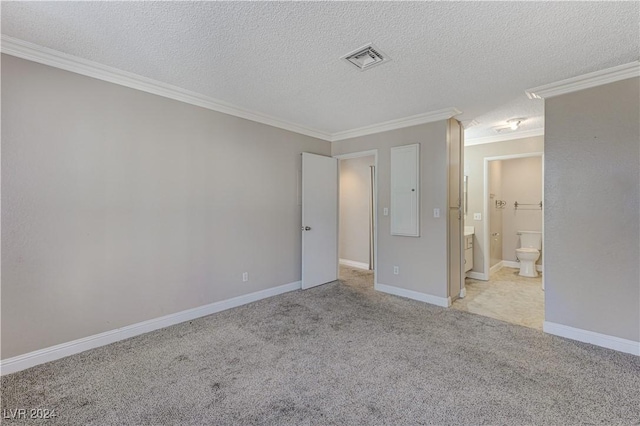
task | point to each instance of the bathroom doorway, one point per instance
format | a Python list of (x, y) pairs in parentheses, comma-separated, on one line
[(514, 193), (513, 202), (357, 216)]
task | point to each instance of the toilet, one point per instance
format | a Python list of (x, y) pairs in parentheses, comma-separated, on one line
[(529, 252)]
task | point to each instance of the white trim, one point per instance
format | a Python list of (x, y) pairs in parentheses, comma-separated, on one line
[(476, 275), (414, 120), (52, 353), (510, 264), (516, 264), (354, 264), (598, 339), (486, 247), (44, 55), (505, 137), (514, 156), (358, 154), (410, 294), (585, 81), (469, 123), (33, 52), (496, 267)]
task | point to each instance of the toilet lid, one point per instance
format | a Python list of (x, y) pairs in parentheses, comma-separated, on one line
[(527, 250)]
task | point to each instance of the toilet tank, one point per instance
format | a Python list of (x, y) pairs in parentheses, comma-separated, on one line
[(531, 239)]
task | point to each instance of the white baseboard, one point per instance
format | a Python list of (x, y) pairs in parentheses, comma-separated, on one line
[(354, 264), (410, 294), (21, 362), (512, 264), (497, 267), (476, 276), (598, 339)]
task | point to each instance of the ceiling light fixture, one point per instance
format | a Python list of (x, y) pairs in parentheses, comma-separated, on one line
[(514, 123)]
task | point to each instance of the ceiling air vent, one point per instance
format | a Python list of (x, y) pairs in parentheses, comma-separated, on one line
[(366, 57)]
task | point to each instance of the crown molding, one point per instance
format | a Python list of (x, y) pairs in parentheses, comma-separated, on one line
[(414, 120), (593, 79), (469, 123), (33, 52), (44, 55), (505, 137)]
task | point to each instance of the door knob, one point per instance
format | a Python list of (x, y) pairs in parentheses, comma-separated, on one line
[(306, 228)]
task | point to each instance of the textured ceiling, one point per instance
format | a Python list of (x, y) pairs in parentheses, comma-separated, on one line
[(283, 59)]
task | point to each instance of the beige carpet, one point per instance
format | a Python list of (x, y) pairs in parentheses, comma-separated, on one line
[(507, 297), (337, 354)]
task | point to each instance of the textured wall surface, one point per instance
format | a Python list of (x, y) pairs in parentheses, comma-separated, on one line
[(119, 206), (355, 206), (592, 200), (474, 168), (422, 260)]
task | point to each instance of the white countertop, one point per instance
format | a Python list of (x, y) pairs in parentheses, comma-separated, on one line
[(469, 230)]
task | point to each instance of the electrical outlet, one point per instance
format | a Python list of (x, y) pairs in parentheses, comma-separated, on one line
[(245, 277), (477, 216), (396, 270), (385, 211), (436, 212)]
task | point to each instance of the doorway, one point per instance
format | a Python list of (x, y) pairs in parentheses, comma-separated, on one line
[(512, 207), (357, 223), (513, 194)]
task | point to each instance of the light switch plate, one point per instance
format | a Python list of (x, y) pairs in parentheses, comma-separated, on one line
[(385, 211), (477, 216), (436, 212)]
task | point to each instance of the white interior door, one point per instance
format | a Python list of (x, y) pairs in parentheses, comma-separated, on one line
[(319, 220)]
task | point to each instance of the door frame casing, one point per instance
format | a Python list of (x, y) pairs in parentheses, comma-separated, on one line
[(359, 154), (457, 200), (485, 226)]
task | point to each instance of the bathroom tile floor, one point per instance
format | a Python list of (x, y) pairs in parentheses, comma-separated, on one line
[(507, 297)]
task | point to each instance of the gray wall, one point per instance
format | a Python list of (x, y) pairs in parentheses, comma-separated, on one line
[(120, 206), (521, 182), (592, 204), (423, 260), (355, 207), (474, 168)]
